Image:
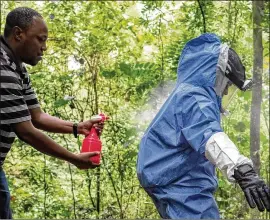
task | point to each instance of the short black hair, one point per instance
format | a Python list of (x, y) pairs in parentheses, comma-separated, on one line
[(21, 17)]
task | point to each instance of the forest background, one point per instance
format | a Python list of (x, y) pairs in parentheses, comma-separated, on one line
[(120, 58)]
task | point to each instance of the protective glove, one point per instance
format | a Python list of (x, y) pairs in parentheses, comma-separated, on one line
[(254, 188)]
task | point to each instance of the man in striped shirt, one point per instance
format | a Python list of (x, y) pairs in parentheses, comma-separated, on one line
[(24, 41)]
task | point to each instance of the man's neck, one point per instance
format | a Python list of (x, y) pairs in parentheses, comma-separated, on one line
[(13, 49)]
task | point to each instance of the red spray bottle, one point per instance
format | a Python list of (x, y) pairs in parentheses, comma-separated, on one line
[(92, 142)]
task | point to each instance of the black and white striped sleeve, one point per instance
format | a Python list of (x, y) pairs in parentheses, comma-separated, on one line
[(13, 107), (29, 94)]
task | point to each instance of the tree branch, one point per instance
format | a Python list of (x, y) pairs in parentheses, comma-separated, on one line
[(204, 21)]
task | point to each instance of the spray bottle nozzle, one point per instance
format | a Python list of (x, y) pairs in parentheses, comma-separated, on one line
[(104, 117), (101, 116)]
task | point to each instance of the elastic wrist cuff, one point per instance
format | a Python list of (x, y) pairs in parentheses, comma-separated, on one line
[(244, 168)]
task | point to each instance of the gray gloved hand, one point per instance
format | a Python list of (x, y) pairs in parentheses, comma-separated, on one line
[(256, 191)]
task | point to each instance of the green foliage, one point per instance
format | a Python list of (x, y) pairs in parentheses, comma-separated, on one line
[(120, 52)]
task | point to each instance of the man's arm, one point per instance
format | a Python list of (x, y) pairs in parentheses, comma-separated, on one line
[(32, 136), (201, 128), (222, 152), (52, 124), (49, 123)]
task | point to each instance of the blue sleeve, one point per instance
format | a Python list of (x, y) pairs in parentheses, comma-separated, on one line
[(199, 119)]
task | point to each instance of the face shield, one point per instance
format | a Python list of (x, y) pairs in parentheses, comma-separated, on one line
[(236, 75), (228, 94)]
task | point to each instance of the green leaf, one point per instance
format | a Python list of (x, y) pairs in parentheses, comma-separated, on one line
[(108, 74), (60, 102), (240, 126), (125, 68)]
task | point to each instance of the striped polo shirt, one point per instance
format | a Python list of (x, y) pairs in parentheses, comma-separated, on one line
[(16, 97)]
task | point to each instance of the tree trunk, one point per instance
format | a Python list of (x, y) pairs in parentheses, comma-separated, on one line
[(257, 84), (257, 9)]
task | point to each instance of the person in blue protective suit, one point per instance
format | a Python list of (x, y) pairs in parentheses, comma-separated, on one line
[(185, 142)]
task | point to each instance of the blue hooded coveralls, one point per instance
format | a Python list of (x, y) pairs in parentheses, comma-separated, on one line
[(171, 165)]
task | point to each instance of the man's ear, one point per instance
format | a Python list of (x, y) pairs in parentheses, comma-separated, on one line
[(17, 33)]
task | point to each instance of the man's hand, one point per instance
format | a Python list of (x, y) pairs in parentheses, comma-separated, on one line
[(29, 134), (82, 160), (256, 191), (85, 127)]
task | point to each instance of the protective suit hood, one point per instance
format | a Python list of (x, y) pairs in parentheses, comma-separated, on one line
[(203, 63), (191, 69)]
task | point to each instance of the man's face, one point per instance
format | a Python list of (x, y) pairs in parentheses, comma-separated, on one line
[(33, 42)]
